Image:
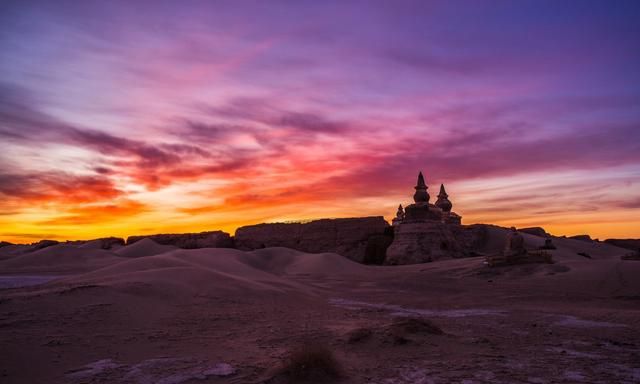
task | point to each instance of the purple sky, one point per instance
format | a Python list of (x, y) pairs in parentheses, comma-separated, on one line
[(142, 116)]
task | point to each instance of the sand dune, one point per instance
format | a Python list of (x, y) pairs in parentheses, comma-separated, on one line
[(59, 258), (275, 269), (248, 308), (286, 261), (10, 251), (144, 247), (218, 270)]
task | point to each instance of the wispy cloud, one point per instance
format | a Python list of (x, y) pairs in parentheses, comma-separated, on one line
[(312, 109)]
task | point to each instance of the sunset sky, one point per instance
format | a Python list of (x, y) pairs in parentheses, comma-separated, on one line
[(136, 117)]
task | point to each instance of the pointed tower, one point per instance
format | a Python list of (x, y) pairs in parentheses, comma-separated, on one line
[(399, 216), (443, 200), (421, 195)]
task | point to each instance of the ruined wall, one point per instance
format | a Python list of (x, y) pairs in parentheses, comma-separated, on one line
[(213, 239), (348, 237), (471, 238), (422, 242)]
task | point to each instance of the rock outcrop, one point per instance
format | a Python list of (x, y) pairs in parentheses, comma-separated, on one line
[(631, 256), (212, 239), (42, 244), (376, 250), (350, 237), (632, 244), (515, 244), (101, 243), (548, 244), (581, 237), (536, 231), (471, 238), (515, 253)]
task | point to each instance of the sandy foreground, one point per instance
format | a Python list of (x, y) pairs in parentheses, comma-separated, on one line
[(147, 313)]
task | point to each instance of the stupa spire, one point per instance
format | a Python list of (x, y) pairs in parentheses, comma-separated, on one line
[(442, 193), (400, 212), (399, 216), (421, 195), (443, 200)]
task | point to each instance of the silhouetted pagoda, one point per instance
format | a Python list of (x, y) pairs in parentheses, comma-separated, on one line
[(425, 232)]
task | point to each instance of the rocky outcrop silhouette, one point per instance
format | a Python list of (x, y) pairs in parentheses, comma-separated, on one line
[(42, 244), (101, 243), (536, 231), (212, 239), (632, 244), (581, 237), (350, 237)]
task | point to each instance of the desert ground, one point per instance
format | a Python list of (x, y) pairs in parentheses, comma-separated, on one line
[(147, 313)]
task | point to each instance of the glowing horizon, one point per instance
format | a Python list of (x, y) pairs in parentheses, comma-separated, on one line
[(129, 118)]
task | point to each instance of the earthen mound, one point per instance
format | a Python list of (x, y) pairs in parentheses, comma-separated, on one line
[(144, 247)]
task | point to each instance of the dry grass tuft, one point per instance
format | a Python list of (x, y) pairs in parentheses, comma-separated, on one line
[(358, 335), (311, 362), (414, 325)]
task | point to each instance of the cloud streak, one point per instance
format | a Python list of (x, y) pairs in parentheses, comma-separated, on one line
[(220, 121)]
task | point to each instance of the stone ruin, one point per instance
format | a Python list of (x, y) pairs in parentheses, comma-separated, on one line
[(515, 252), (548, 244), (426, 232)]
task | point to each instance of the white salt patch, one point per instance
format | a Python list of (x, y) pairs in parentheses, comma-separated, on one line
[(572, 321), (95, 368), (222, 369), (155, 371), (574, 375), (485, 375), (572, 353), (24, 281), (624, 372), (410, 376), (397, 310)]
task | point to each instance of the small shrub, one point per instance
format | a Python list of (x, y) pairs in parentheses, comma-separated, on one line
[(311, 362), (584, 254), (414, 325), (358, 335)]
